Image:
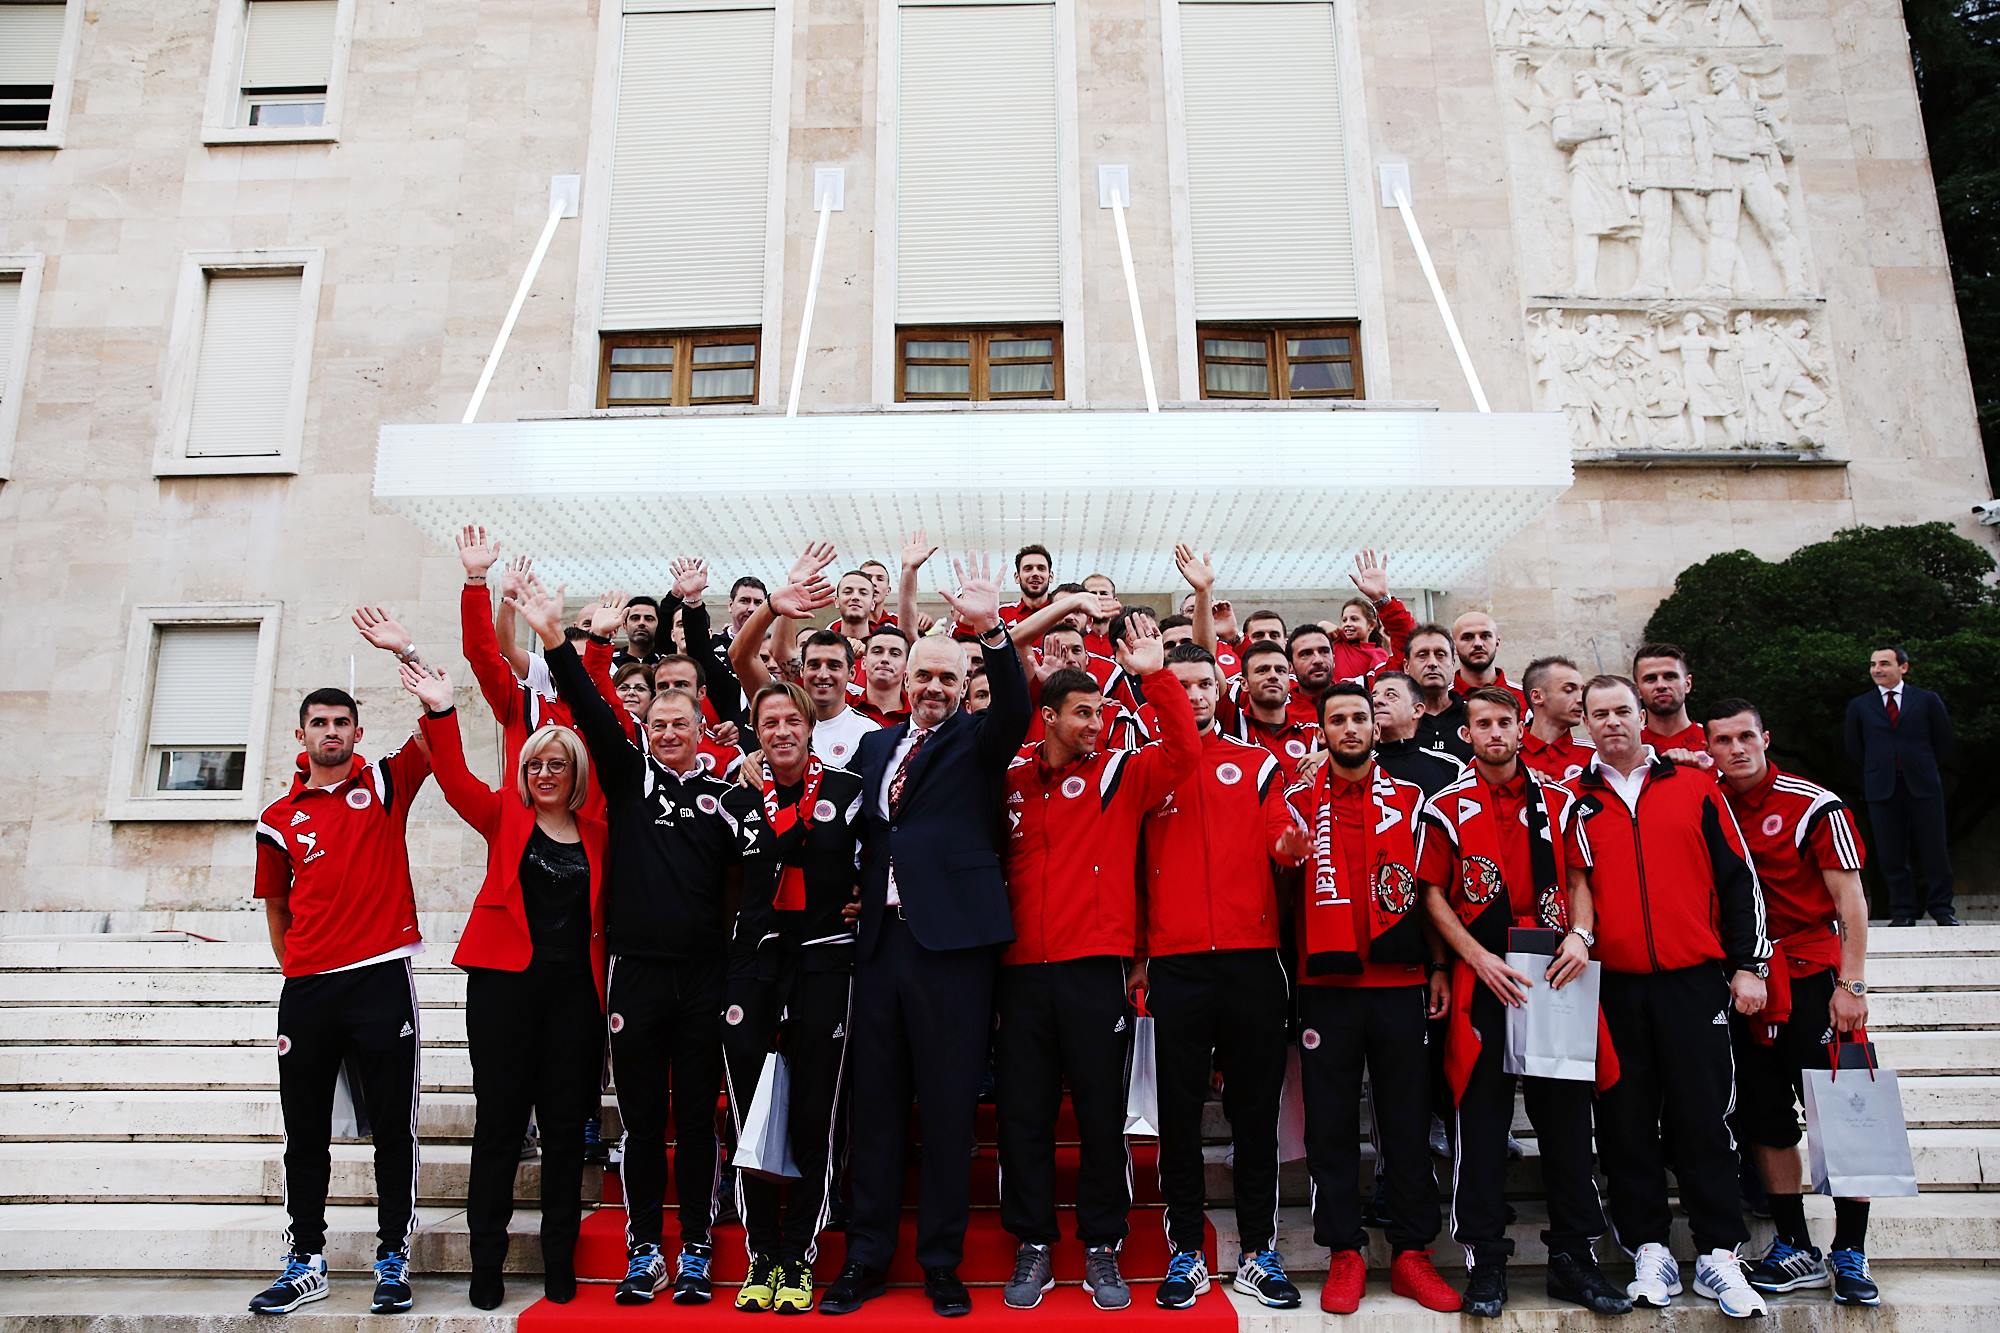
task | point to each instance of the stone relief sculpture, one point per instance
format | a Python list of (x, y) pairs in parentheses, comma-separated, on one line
[(1679, 379), (1631, 22)]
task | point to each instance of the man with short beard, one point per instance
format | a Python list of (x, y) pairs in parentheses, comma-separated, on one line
[(1262, 711), (1555, 701), (1097, 637), (1311, 650), (1396, 748), (879, 613), (642, 632), (1477, 640), (1661, 672), (1034, 574), (1264, 627), (1432, 664), (826, 671)]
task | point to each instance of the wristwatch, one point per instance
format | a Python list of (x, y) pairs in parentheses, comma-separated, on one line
[(1855, 986), (1589, 940)]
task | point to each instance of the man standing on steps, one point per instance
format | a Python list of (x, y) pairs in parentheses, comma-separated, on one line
[(1064, 1018), (1555, 702), (1477, 640), (1661, 672), (1429, 658), (1397, 713), (1896, 735), (1808, 856), (333, 870), (1657, 865), (933, 915)]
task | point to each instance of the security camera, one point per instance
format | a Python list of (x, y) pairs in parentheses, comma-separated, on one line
[(1988, 513)]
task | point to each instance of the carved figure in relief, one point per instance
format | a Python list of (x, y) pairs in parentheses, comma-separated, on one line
[(1640, 22), (1558, 356), (1722, 15), (1589, 129), (1709, 399), (1669, 153), (1746, 156), (1781, 375)]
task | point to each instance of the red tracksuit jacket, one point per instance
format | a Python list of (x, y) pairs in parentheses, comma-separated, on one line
[(1208, 852)]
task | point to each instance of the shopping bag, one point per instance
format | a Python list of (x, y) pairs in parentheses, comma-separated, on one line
[(1553, 1034), (764, 1145), (1857, 1143), (1292, 1110), (350, 1109), (1142, 1093)]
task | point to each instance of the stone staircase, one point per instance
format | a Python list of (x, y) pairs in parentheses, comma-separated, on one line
[(140, 1134)]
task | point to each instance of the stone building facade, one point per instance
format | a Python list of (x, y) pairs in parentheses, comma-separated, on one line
[(256, 253)]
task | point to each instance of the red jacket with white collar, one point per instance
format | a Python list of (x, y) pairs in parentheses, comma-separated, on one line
[(1208, 852), (1073, 837)]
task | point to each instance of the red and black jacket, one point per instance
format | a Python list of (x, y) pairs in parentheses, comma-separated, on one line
[(1209, 884)]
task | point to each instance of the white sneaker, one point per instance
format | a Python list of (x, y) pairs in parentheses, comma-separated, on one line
[(1656, 1276), (1718, 1275)]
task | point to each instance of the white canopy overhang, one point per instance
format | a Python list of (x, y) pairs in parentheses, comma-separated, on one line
[(1280, 497)]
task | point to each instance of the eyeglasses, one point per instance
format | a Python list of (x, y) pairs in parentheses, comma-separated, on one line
[(555, 768)]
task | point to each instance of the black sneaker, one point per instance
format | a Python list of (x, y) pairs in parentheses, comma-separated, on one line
[(301, 1282), (1787, 1267), (857, 1283), (948, 1295), (691, 1284), (645, 1274), (392, 1284), (596, 1152), (1578, 1280), (1263, 1275), (1486, 1290), (1186, 1281), (1853, 1284)]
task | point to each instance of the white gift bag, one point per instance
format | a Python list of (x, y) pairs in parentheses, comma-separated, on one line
[(1857, 1142), (1142, 1093), (764, 1146), (1554, 1034)]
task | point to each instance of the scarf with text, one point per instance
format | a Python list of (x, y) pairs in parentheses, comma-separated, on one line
[(1333, 944), (1480, 896), (791, 891)]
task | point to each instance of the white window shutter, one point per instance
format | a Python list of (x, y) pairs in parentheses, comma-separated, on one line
[(288, 44), (243, 375), (30, 43), (690, 171), (12, 336), (203, 679), (978, 225), (1266, 162)]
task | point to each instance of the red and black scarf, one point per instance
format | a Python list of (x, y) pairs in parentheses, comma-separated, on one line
[(1480, 897), (791, 890), (1333, 946)]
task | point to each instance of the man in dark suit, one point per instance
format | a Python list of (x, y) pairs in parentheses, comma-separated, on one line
[(934, 914), (1897, 733)]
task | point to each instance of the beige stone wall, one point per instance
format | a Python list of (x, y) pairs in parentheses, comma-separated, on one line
[(457, 114)]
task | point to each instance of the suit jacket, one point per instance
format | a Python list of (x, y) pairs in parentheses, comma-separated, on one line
[(1912, 747), (946, 837)]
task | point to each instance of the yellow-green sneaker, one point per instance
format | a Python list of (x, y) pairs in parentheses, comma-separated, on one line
[(794, 1294), (756, 1292)]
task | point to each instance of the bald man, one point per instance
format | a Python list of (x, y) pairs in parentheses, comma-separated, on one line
[(1476, 637)]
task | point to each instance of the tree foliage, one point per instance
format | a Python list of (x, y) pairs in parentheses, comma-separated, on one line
[(1794, 637)]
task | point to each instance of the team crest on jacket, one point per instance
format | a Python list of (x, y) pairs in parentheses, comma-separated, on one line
[(1073, 787), (705, 761), (824, 811), (1395, 887), (284, 1044), (1296, 748), (358, 798), (707, 804), (617, 1022), (1479, 879), (1772, 823), (1310, 1039), (1228, 774), (734, 1016)]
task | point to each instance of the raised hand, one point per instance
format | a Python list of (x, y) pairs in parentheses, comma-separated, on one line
[(1293, 846), (516, 570), (432, 687), (690, 578), (542, 609), (798, 601), (475, 552), (604, 616), (917, 548), (381, 629), (1141, 651), (977, 597), (816, 556), (1199, 572), (1371, 575), (925, 624)]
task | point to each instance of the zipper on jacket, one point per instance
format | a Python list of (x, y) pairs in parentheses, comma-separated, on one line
[(1639, 856)]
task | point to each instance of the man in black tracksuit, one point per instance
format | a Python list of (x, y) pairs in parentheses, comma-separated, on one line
[(676, 831), (791, 968)]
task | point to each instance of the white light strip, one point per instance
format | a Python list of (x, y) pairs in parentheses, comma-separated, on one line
[(557, 208), (1132, 295), (812, 299), (1437, 294)]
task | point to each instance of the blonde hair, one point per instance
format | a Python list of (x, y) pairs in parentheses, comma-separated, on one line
[(559, 738)]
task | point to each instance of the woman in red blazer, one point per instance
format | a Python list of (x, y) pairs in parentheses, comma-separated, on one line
[(533, 954)]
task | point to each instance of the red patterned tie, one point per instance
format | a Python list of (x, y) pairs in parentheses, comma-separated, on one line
[(1895, 711), (903, 771)]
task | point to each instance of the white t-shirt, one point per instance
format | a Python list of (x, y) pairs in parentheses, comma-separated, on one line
[(1627, 785), (837, 740)]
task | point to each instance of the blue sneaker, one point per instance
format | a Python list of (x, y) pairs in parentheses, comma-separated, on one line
[(302, 1282), (392, 1284), (1263, 1275), (691, 1284), (1853, 1284), (1186, 1280), (596, 1152), (645, 1274), (1787, 1267)]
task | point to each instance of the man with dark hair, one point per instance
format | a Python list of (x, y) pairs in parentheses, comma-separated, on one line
[(1097, 635), (880, 697), (1555, 700), (1264, 627), (642, 631), (1262, 713), (1063, 1016), (854, 598), (1660, 670), (1897, 734), (1808, 856), (1177, 630), (1432, 663), (878, 578), (333, 871), (1476, 638), (1659, 869), (1362, 1003), (1213, 619), (826, 668), (1492, 860), (1217, 989), (1310, 649), (1034, 572), (1397, 712)]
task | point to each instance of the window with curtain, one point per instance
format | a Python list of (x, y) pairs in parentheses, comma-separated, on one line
[(1280, 361), (287, 62), (246, 368), (678, 369), (30, 51), (198, 722), (955, 362)]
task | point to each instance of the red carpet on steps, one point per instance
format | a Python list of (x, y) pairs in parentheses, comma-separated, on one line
[(1067, 1309)]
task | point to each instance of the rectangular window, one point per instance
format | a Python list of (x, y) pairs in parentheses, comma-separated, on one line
[(678, 369), (20, 285), (1266, 162), (287, 63), (243, 381), (978, 365), (198, 724), (978, 216), (1286, 361), (31, 42)]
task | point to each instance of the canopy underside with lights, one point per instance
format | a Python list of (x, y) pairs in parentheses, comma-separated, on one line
[(1280, 498)]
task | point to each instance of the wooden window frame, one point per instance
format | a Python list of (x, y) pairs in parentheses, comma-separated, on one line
[(979, 377), (683, 342), (1277, 364)]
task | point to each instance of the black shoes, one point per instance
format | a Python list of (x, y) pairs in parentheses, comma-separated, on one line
[(488, 1289), (857, 1283), (392, 1284), (948, 1295), (1902, 921), (1486, 1290), (1946, 919), (1580, 1281)]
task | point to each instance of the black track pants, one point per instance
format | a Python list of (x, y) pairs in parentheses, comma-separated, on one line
[(666, 1032)]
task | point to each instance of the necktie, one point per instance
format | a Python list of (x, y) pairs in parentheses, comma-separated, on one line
[(1895, 711), (903, 772)]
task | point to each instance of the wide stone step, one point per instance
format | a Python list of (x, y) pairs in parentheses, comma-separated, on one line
[(1941, 1053), (40, 955), (1946, 1011), (186, 987), (170, 1025), (1974, 937), (243, 923), (442, 1068), (1933, 972), (195, 1115)]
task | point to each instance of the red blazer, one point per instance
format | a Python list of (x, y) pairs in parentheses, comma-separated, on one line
[(496, 931)]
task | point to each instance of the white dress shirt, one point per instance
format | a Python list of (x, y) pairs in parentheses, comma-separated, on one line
[(903, 748), (1627, 785)]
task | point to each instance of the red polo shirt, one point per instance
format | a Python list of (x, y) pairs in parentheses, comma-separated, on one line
[(1562, 759), (1352, 804)]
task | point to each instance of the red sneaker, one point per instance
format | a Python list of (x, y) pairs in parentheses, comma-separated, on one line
[(1412, 1275), (1345, 1277)]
